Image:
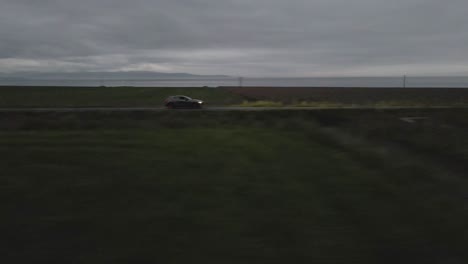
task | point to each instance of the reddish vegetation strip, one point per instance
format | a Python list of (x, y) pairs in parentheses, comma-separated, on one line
[(354, 95)]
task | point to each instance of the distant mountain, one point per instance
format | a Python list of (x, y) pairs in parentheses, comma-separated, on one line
[(130, 75)]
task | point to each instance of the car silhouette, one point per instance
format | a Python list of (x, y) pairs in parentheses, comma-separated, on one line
[(182, 101)]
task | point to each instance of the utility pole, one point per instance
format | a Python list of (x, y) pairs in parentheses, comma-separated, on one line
[(404, 81), (241, 81)]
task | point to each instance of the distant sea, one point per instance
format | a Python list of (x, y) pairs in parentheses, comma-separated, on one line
[(378, 82)]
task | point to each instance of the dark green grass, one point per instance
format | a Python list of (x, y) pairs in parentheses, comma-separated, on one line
[(440, 136), (107, 96), (204, 187)]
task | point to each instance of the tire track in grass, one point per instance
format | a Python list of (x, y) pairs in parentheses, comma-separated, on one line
[(398, 218)]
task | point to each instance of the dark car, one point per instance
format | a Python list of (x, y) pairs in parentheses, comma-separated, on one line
[(182, 101)]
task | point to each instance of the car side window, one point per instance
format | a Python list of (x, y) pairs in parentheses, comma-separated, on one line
[(183, 98)]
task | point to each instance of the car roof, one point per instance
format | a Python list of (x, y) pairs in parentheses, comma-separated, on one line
[(180, 96)]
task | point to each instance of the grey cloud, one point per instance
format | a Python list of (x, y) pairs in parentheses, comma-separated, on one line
[(256, 37)]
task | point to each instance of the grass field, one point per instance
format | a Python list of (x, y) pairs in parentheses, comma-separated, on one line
[(234, 187), (307, 96), (230, 96), (107, 96)]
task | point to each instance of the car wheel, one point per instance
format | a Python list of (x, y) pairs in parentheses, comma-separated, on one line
[(170, 106)]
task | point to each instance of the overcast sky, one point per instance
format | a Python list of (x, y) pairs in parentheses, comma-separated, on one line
[(237, 37)]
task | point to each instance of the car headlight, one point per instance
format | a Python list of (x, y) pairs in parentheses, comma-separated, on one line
[(200, 102)]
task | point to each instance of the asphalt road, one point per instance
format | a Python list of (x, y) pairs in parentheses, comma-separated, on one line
[(228, 108)]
